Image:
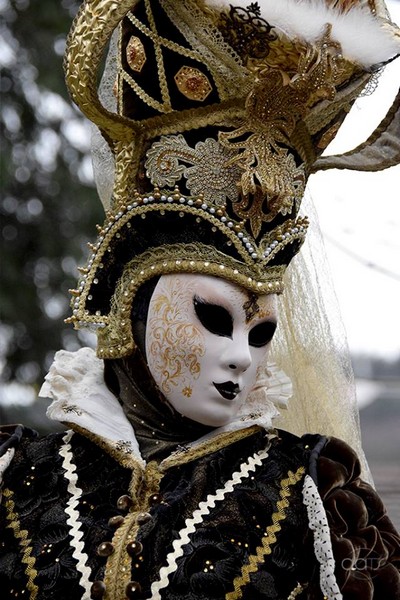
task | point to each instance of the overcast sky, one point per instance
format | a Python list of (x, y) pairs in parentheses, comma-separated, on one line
[(360, 217)]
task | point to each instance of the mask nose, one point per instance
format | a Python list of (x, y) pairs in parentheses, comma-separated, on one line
[(238, 357)]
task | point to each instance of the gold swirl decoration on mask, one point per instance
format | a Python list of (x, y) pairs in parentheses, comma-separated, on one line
[(171, 337)]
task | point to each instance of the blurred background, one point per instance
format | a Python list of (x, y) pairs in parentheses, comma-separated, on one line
[(49, 208)]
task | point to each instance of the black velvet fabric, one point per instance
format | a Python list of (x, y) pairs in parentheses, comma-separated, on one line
[(234, 528), (226, 536), (39, 496)]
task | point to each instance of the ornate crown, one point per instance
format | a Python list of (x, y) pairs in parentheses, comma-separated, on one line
[(221, 115)]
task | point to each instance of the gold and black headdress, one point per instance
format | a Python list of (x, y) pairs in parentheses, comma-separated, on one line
[(221, 114)]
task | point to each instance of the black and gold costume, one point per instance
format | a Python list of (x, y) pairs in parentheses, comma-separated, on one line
[(241, 527)]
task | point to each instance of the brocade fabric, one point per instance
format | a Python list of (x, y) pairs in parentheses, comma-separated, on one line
[(38, 558)]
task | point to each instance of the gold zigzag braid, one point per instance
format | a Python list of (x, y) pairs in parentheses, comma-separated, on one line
[(270, 538), (24, 541)]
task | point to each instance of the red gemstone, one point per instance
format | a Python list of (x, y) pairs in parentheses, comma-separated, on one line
[(193, 83)]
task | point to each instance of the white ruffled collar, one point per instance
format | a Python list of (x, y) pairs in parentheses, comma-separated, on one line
[(75, 384)]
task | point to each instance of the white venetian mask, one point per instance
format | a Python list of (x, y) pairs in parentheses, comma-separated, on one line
[(205, 339)]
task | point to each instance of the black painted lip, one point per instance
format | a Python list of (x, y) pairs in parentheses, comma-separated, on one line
[(227, 389)]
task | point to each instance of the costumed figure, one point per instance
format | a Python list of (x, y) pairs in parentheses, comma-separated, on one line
[(199, 460)]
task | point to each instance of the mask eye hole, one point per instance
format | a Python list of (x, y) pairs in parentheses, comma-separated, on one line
[(262, 334), (213, 317)]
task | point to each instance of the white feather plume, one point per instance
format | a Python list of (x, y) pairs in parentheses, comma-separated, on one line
[(364, 38)]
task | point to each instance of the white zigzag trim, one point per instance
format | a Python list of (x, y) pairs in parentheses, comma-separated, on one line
[(73, 515), (318, 523), (199, 513)]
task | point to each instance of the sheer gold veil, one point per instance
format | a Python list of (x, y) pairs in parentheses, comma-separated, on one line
[(311, 347)]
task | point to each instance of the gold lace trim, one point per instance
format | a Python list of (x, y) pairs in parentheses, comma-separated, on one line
[(227, 112), (205, 50), (86, 42), (296, 592), (196, 26), (24, 541), (162, 41), (88, 39), (127, 159), (128, 461), (270, 535), (152, 33), (162, 78), (207, 447), (160, 107)]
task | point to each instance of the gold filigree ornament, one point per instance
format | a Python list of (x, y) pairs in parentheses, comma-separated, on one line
[(245, 30), (193, 84), (170, 336), (263, 141), (135, 54), (208, 169)]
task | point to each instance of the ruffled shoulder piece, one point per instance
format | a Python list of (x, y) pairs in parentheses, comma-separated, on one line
[(80, 397), (365, 544)]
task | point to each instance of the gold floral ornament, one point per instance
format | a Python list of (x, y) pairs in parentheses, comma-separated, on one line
[(271, 181), (208, 169), (289, 181), (193, 84), (135, 54)]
